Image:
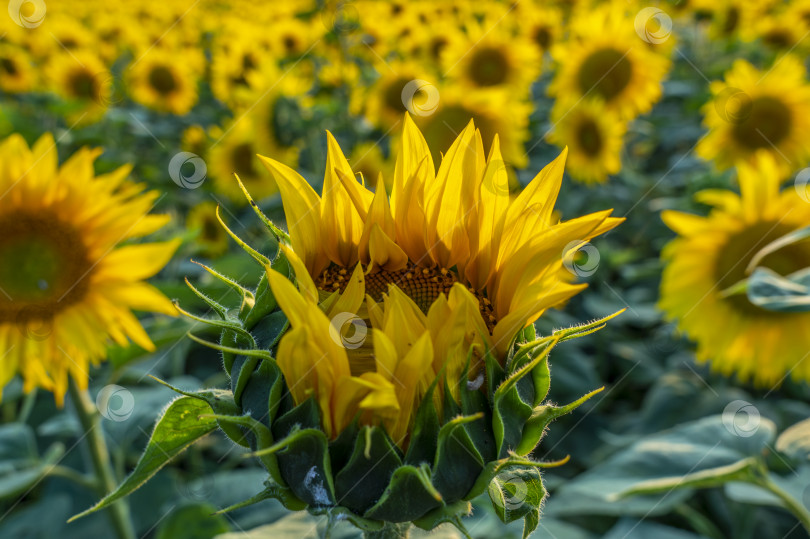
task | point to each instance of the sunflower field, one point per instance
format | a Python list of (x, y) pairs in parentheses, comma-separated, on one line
[(405, 268)]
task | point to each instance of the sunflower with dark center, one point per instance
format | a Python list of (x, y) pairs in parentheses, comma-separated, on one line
[(605, 59), (67, 287), (162, 82), (754, 111), (492, 57), (594, 136), (712, 255)]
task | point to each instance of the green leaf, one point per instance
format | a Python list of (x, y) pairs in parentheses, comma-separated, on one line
[(195, 521), (449, 513), (261, 437), (221, 402), (769, 290), (794, 442), (271, 491), (180, 426), (696, 454)]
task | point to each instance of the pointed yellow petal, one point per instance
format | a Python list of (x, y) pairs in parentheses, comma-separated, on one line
[(341, 225), (302, 208), (413, 152), (305, 283), (352, 297)]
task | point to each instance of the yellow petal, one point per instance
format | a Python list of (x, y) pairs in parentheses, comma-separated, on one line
[(352, 297), (302, 208), (305, 283), (135, 262), (341, 225), (413, 152)]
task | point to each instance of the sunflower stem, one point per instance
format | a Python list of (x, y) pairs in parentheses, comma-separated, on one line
[(789, 502), (89, 418), (390, 531)]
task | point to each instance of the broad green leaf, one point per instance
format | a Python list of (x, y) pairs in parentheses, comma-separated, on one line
[(795, 441), (702, 453), (180, 426)]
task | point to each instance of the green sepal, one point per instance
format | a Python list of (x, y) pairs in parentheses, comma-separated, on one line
[(262, 393), (243, 367), (225, 324), (409, 496), (269, 329), (495, 467), (425, 430), (262, 437), (304, 416), (303, 457), (341, 448), (473, 401), (284, 495), (540, 418), (221, 402), (233, 340), (495, 374), (517, 493), (458, 462), (365, 477), (451, 513), (221, 310), (248, 299), (510, 410)]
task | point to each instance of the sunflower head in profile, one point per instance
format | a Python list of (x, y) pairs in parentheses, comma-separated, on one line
[(66, 286), (396, 332), (605, 58), (161, 81), (753, 111), (713, 256), (593, 135)]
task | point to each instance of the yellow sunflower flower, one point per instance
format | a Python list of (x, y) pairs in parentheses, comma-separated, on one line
[(234, 152), (711, 254), (84, 81), (594, 138), (211, 240), (492, 57), (16, 72), (605, 58), (66, 287), (449, 262), (161, 81), (754, 111)]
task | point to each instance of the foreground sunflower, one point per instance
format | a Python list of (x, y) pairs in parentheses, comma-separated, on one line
[(754, 111), (712, 255), (67, 287), (395, 336)]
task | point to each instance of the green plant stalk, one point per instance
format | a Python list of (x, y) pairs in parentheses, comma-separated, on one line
[(790, 504), (390, 531), (94, 437)]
